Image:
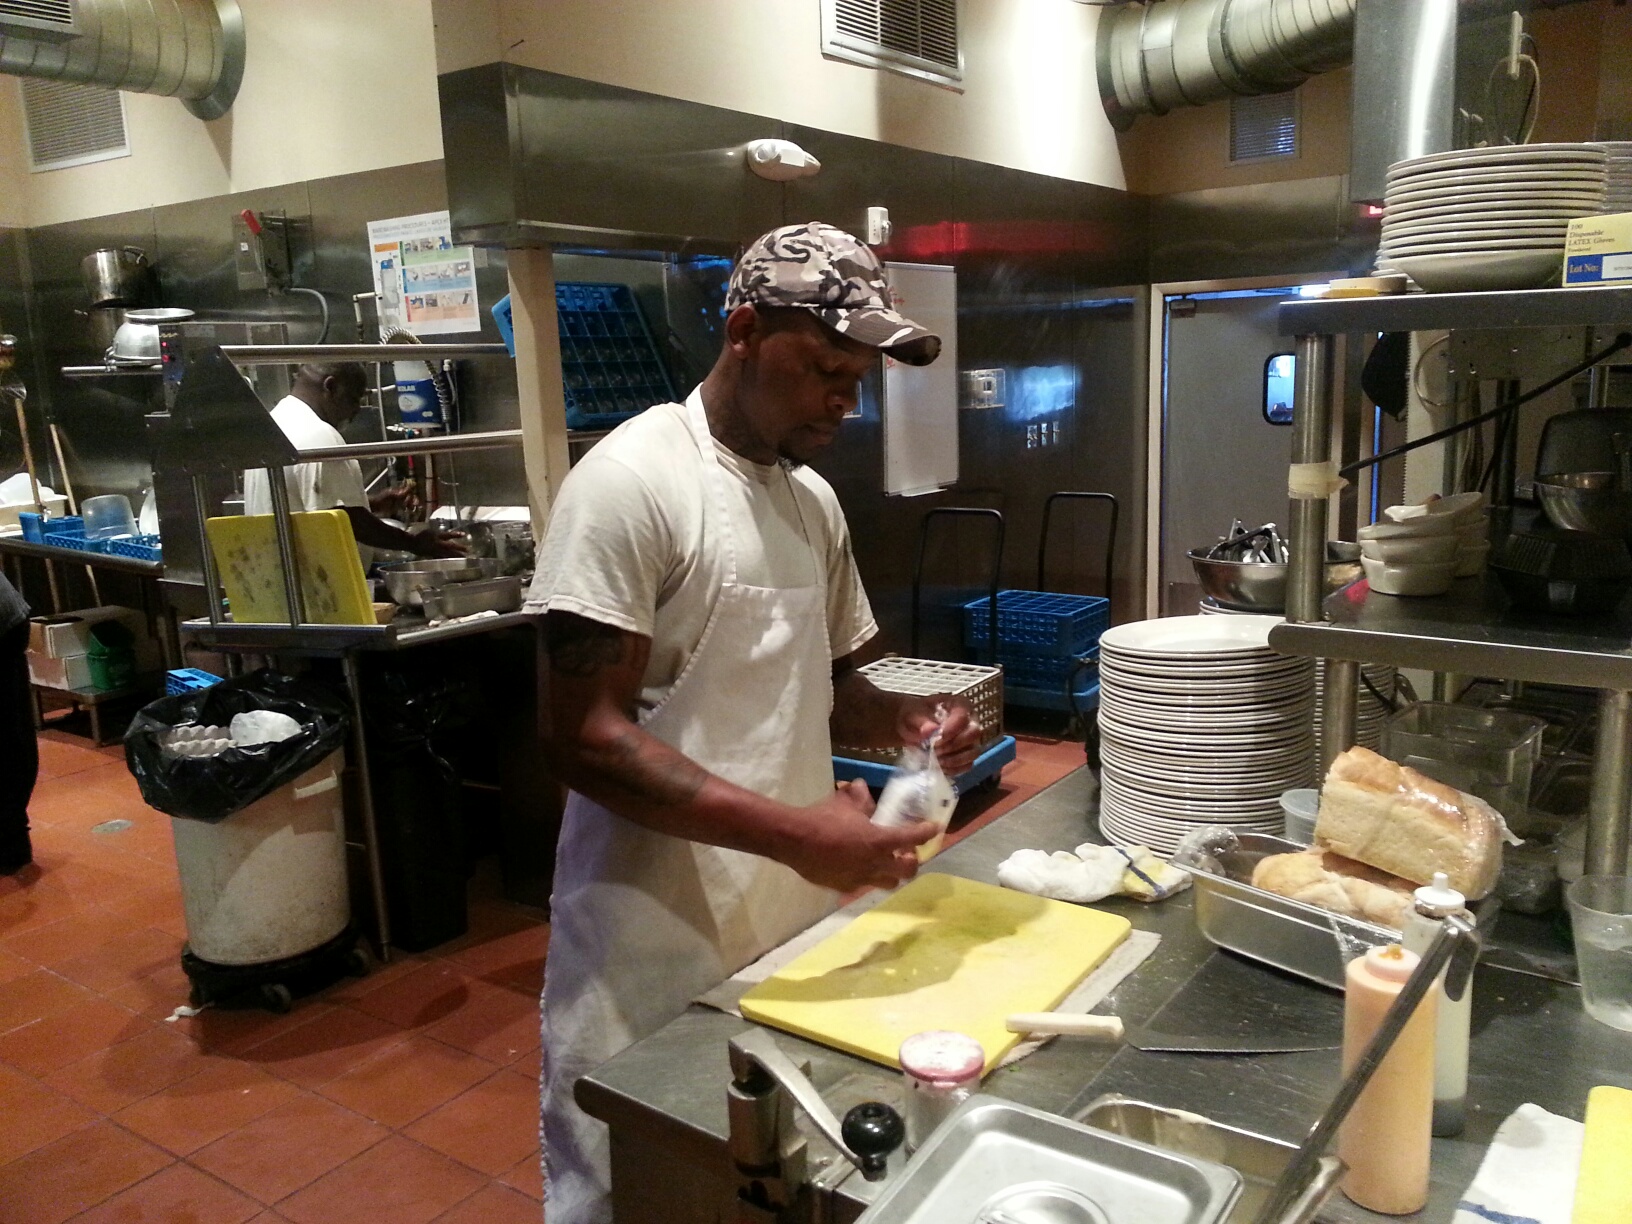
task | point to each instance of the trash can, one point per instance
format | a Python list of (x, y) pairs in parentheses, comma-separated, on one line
[(250, 770)]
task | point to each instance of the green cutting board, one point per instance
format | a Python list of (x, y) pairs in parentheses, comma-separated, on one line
[(942, 953), (331, 574)]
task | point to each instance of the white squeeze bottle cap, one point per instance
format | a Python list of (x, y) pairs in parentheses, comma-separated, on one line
[(1439, 899)]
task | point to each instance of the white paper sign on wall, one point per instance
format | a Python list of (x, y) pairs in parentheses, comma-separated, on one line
[(920, 407)]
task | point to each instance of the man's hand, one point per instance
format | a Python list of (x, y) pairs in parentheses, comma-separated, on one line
[(961, 735), (434, 543), (398, 502), (839, 847)]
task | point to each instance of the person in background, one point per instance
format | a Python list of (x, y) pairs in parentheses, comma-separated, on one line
[(323, 399), (701, 607), (19, 753)]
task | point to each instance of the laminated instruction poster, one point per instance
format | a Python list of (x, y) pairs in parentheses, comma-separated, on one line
[(424, 284)]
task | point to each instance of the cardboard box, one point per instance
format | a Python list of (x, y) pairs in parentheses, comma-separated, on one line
[(72, 672), (1598, 250), (60, 637)]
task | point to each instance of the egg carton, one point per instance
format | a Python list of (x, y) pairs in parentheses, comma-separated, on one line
[(193, 741)]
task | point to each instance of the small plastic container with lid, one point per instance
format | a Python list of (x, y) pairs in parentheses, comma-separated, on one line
[(942, 1070)]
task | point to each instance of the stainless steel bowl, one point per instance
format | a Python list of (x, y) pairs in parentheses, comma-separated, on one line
[(137, 340), (454, 599), (1261, 586), (1588, 502), (406, 580)]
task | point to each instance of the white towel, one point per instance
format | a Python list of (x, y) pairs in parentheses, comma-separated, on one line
[(1528, 1175)]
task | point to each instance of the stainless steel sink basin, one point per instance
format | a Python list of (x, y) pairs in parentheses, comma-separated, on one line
[(995, 1162), (1259, 1159)]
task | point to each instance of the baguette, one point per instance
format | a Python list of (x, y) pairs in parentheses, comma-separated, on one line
[(1395, 819), (1332, 882)]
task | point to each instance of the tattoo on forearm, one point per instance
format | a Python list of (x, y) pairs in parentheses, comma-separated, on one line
[(579, 647), (655, 773)]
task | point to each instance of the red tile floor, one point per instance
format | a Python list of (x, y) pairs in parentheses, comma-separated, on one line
[(410, 1095)]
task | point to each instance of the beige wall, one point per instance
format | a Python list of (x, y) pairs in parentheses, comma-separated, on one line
[(1029, 97), (1189, 150), (330, 87)]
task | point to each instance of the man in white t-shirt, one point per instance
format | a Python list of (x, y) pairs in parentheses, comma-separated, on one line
[(701, 606), (323, 399)]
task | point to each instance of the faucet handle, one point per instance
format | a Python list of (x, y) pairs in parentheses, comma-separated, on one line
[(872, 1130)]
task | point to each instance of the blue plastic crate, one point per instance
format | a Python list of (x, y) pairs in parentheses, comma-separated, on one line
[(1048, 671), (138, 547), (61, 539), (187, 680), (31, 523), (68, 525), (1038, 622), (611, 368), (1083, 700)]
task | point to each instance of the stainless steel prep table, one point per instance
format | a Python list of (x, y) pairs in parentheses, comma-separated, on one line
[(664, 1098)]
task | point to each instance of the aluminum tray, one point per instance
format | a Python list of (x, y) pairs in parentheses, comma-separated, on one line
[(1302, 939), (994, 1160)]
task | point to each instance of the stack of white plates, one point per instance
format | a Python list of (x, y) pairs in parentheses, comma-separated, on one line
[(1491, 218), (1200, 723), (1618, 167)]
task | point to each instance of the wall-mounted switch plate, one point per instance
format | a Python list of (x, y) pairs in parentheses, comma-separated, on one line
[(981, 388)]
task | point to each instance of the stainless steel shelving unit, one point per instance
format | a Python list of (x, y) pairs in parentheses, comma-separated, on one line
[(1471, 630)]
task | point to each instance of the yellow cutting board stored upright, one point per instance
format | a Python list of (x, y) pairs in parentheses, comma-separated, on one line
[(331, 575), (942, 953)]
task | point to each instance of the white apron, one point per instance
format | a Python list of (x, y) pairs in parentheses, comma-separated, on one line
[(640, 922)]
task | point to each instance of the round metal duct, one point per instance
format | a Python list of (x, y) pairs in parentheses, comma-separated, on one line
[(190, 49), (1174, 53)]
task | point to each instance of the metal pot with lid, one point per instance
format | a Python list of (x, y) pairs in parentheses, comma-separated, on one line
[(115, 276)]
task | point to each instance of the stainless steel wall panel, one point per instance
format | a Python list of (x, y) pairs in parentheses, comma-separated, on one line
[(1267, 229)]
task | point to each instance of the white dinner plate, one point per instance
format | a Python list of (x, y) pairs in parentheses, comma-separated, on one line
[(1495, 210), (1473, 229), (1462, 273), (1190, 635), (1485, 246), (1538, 194), (1192, 671), (1545, 151), (1196, 740), (1539, 176)]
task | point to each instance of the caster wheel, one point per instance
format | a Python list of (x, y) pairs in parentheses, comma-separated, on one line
[(195, 997), (276, 998), (358, 962), (985, 786)]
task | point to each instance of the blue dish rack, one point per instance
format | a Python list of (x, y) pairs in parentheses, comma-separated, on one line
[(188, 680), (69, 532), (610, 364), (1047, 643)]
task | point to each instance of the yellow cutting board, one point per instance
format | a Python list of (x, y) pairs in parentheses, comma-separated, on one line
[(942, 953), (331, 574)]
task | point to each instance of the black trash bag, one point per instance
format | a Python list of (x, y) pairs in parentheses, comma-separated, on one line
[(214, 787)]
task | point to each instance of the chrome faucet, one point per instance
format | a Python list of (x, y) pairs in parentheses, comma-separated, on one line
[(765, 1145)]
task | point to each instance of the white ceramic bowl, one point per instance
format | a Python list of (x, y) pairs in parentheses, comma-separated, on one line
[(1461, 508), (1470, 558), (1412, 550), (1409, 579), (1424, 525)]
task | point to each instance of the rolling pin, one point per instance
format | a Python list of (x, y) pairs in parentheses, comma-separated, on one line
[(1065, 1024)]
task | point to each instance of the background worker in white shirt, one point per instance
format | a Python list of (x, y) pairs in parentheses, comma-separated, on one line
[(323, 399)]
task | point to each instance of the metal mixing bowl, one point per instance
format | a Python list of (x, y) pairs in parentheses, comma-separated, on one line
[(1588, 502), (1254, 586), (406, 580)]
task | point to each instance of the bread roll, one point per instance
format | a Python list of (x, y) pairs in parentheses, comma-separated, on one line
[(1395, 819), (1319, 877)]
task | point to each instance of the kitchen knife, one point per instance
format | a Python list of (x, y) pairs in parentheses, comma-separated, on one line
[(1111, 1028)]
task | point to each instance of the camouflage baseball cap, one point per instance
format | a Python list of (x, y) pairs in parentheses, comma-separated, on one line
[(836, 277)]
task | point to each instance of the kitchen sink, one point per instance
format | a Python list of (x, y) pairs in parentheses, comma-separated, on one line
[(996, 1162), (1259, 1159)]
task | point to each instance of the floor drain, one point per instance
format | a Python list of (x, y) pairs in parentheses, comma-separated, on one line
[(111, 826)]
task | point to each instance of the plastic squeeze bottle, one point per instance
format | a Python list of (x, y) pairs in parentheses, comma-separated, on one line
[(1435, 903), (1386, 1138), (919, 790)]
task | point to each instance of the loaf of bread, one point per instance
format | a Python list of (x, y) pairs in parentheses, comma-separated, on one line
[(1332, 882), (1395, 819)]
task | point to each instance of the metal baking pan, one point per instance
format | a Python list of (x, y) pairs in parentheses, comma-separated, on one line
[(996, 1162), (1302, 939)]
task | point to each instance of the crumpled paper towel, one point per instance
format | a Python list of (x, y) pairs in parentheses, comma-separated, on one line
[(1092, 873), (262, 727), (1528, 1174)]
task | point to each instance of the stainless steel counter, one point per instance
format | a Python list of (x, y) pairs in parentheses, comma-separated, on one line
[(335, 640), (664, 1098)]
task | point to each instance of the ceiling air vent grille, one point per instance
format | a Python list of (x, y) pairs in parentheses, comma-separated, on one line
[(44, 20), (1264, 127), (70, 125), (915, 37)]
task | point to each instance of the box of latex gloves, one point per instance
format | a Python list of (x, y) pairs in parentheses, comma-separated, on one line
[(1598, 250)]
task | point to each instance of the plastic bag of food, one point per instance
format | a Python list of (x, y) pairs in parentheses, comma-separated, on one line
[(918, 789)]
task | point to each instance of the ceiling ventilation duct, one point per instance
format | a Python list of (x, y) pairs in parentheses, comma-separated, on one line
[(190, 49), (1156, 57)]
